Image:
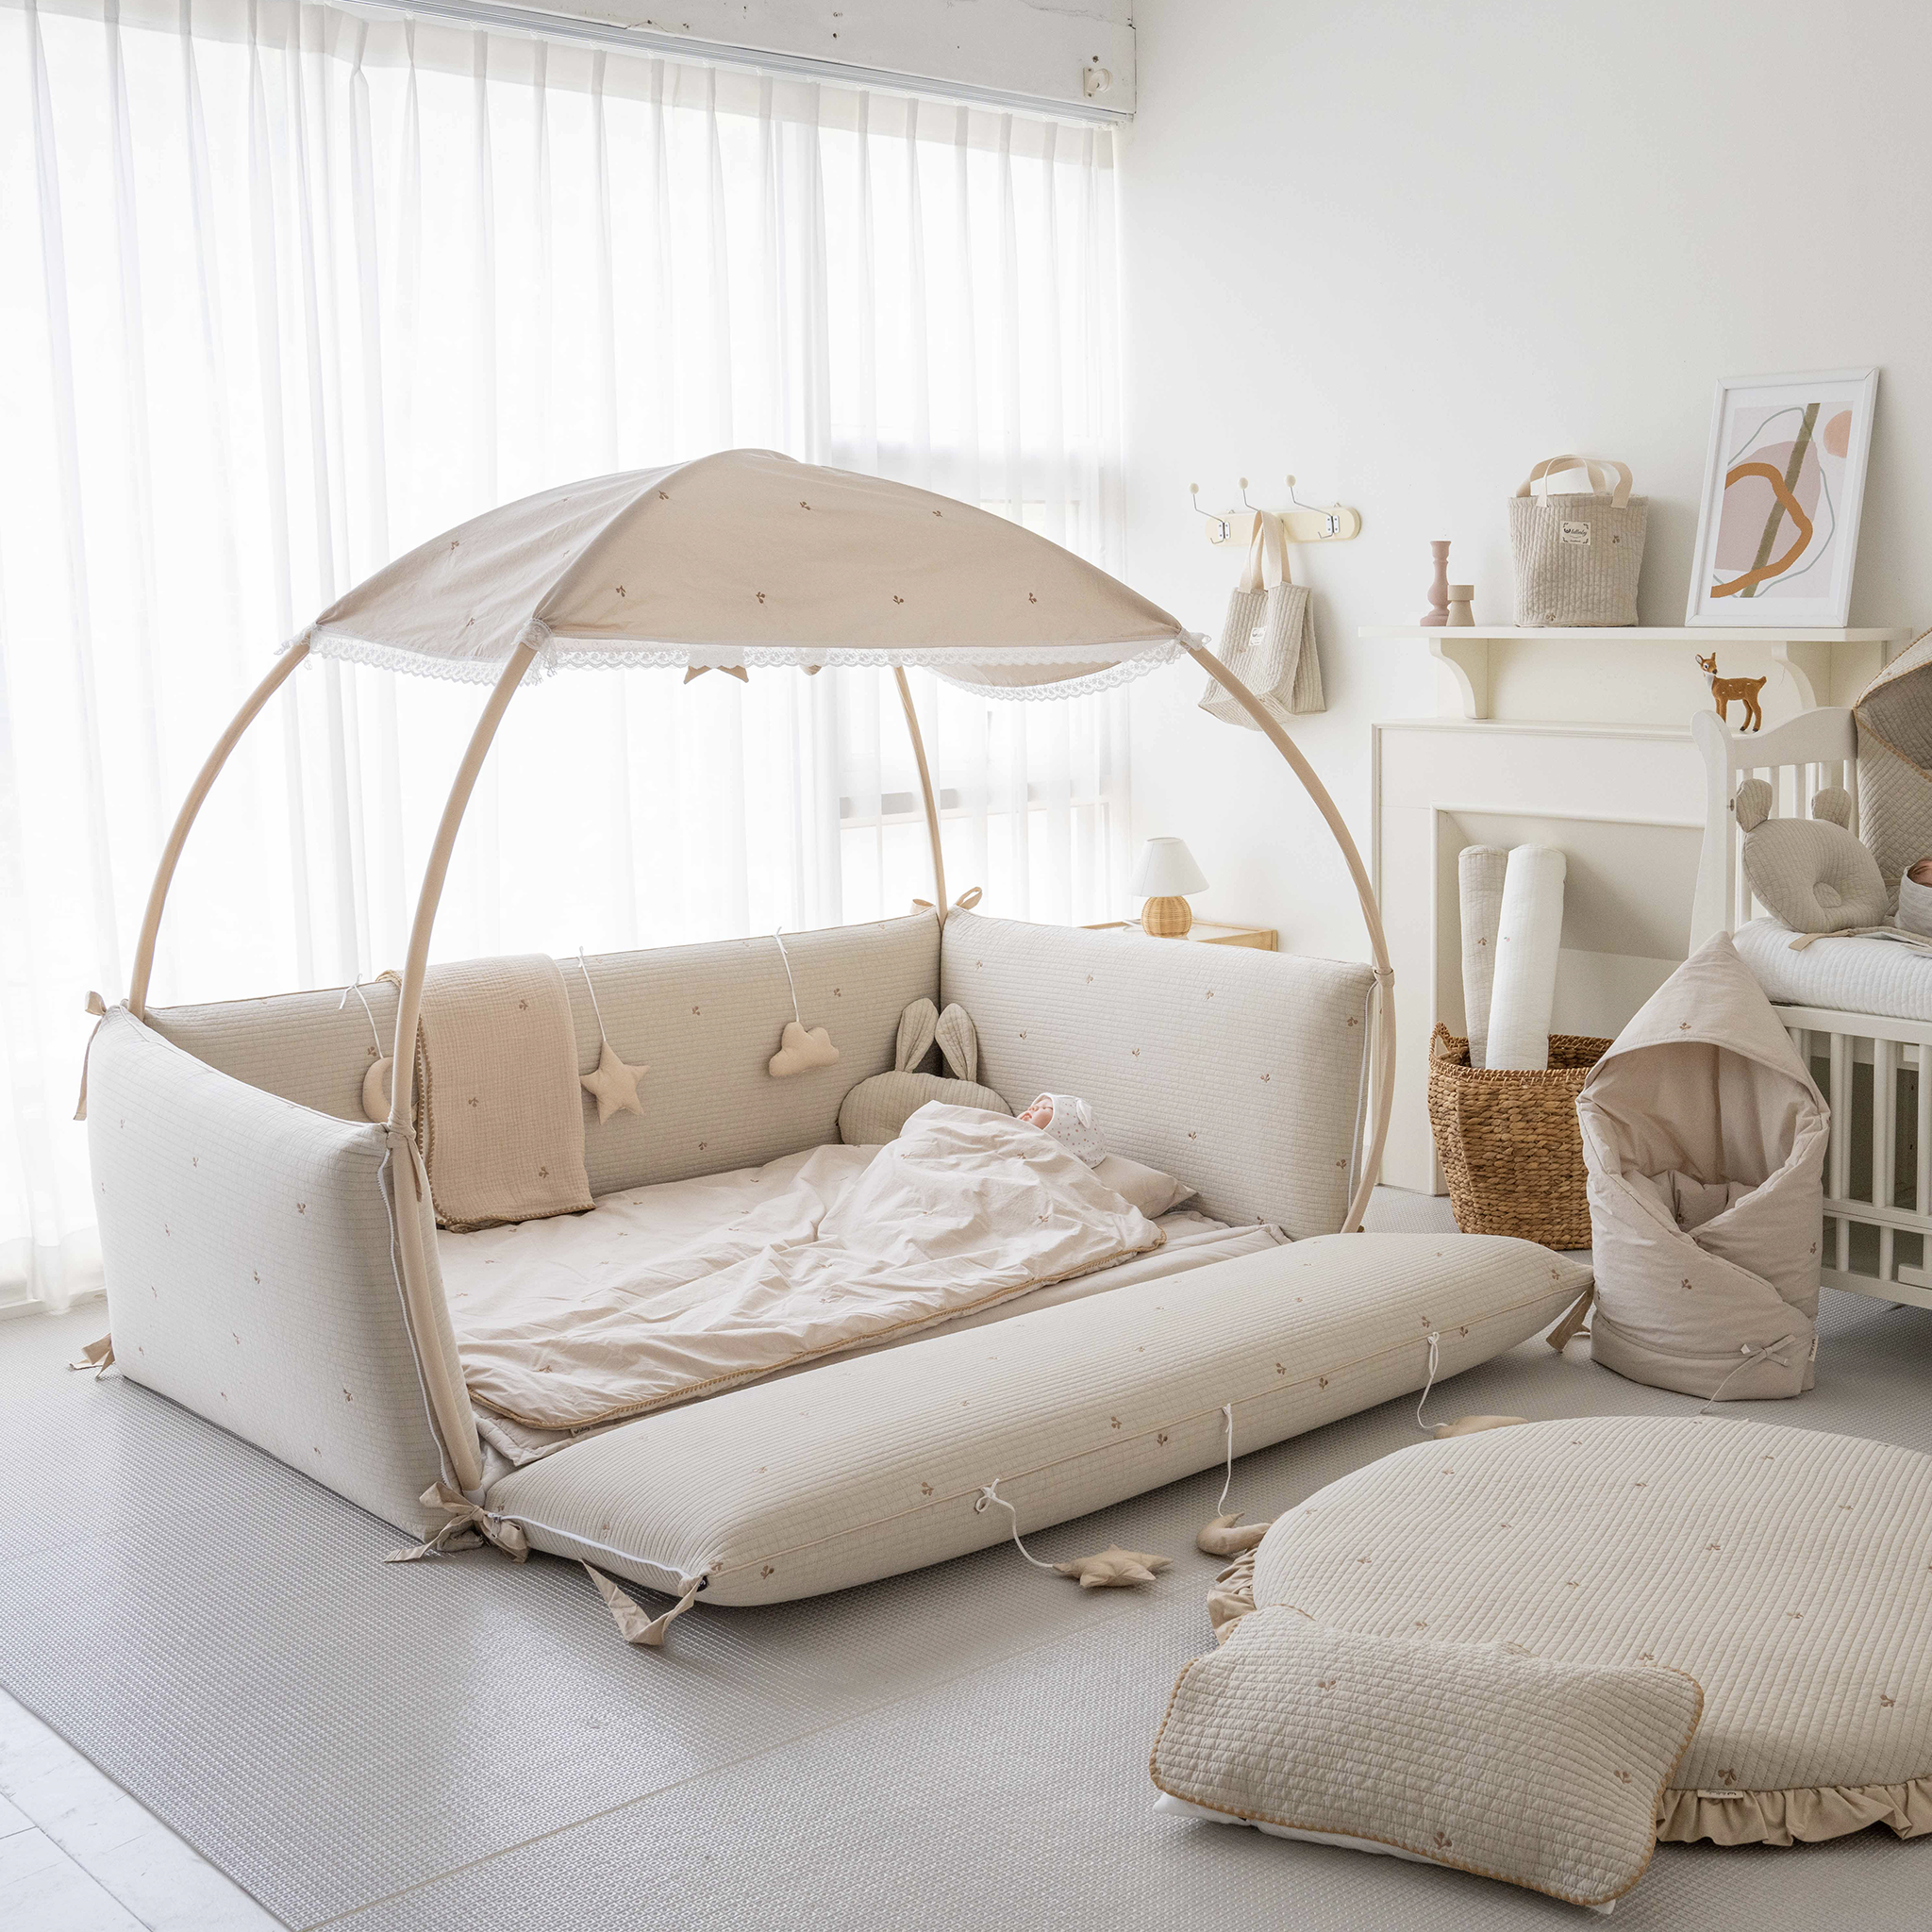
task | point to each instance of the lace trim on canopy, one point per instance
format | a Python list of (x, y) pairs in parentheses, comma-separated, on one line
[(1114, 675), (566, 655)]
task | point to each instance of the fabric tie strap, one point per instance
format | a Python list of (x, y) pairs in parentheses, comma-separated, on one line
[(98, 1008), (468, 1527), (1570, 1327), (633, 1626), (97, 1355), (1902, 934)]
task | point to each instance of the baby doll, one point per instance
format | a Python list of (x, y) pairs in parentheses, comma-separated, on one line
[(1068, 1119)]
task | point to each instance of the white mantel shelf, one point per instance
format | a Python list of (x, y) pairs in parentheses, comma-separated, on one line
[(1805, 656)]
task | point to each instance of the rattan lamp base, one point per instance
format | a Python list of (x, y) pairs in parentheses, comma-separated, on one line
[(1166, 918)]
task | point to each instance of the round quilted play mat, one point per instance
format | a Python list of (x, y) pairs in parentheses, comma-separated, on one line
[(1788, 1571)]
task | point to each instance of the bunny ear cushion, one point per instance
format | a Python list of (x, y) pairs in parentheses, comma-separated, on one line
[(959, 1043), (917, 1026)]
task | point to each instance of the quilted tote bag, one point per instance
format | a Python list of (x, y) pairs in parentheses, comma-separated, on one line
[(1268, 639), (1576, 557)]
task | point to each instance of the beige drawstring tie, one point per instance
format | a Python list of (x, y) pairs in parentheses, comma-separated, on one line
[(1570, 1327), (97, 1355), (632, 1624), (98, 1008), (1435, 1360), (468, 1527)]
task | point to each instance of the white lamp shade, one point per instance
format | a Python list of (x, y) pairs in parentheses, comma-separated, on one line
[(1167, 870)]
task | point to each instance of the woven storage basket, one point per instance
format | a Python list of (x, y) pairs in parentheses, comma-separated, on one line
[(1509, 1142)]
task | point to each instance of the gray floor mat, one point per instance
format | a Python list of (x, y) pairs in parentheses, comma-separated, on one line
[(467, 1743)]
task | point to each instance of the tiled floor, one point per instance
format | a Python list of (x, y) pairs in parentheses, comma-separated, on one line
[(78, 1854)]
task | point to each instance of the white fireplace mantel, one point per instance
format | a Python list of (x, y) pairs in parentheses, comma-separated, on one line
[(1822, 666), (1578, 738)]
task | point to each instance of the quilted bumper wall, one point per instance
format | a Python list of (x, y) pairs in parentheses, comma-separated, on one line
[(249, 1268)]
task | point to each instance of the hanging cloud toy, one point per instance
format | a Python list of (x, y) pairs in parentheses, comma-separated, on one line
[(800, 1048)]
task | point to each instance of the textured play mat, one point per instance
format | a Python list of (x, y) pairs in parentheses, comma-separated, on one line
[(1788, 1571), (965, 1746)]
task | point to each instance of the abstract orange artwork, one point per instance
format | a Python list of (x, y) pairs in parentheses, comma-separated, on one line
[(1782, 498)]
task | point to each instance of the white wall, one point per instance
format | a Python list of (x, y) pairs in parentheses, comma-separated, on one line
[(1406, 249)]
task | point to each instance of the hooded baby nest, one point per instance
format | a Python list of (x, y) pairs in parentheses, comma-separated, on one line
[(1894, 721), (1705, 1139)]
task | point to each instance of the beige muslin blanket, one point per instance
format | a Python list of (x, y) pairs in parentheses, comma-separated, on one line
[(499, 1113), (964, 1209)]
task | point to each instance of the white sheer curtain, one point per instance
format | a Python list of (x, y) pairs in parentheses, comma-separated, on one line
[(285, 289)]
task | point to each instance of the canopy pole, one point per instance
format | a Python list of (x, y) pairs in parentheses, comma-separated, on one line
[(442, 1375), (1383, 1041), (191, 810), (932, 811)]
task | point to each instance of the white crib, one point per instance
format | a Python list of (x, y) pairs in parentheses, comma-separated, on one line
[(1878, 1173)]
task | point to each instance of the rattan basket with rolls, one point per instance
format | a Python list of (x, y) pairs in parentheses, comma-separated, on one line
[(1508, 1141)]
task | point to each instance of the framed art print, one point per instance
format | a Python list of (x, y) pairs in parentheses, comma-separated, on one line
[(1784, 480)]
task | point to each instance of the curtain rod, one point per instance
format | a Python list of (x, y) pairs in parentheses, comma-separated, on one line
[(541, 25)]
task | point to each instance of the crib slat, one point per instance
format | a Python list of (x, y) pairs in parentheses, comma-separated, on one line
[(1883, 1125), (1840, 1156), (1921, 1180)]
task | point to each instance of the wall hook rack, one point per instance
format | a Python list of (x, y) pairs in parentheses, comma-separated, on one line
[(1302, 522)]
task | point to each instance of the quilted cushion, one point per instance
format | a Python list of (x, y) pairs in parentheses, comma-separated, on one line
[(706, 1018), (873, 1465), (1812, 873), (1788, 1571), (1244, 1072), (250, 1270), (1541, 1773)]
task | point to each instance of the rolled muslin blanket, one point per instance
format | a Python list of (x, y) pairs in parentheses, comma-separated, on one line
[(1479, 871), (1528, 939)]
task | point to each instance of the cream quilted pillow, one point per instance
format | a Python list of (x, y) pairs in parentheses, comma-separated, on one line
[(1541, 1773)]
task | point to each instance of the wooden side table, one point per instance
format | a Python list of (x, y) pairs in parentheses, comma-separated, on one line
[(1262, 938)]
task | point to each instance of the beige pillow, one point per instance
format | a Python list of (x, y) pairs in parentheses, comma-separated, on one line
[(1146, 1188), (1542, 1773), (1812, 873)]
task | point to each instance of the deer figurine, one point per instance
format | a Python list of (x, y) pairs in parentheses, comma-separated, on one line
[(1723, 690)]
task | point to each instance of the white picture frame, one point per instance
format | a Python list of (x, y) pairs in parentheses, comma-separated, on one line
[(1809, 435)]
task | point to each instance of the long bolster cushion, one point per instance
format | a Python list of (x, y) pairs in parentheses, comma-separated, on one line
[(873, 1466)]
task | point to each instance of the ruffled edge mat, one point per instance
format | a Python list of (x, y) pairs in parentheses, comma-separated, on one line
[(1806, 1814)]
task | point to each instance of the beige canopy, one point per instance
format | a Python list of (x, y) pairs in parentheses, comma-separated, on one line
[(748, 559), (733, 561)]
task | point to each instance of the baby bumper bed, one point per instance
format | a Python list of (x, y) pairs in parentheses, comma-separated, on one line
[(272, 1255)]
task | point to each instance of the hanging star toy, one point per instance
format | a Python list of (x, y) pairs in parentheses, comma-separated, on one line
[(614, 1084)]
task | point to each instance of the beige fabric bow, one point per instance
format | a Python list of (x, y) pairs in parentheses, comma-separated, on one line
[(468, 1527)]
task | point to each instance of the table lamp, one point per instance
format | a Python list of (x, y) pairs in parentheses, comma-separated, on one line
[(1166, 871)]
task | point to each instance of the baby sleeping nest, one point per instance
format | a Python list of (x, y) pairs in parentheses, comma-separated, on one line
[(250, 1219), (1705, 1139)]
